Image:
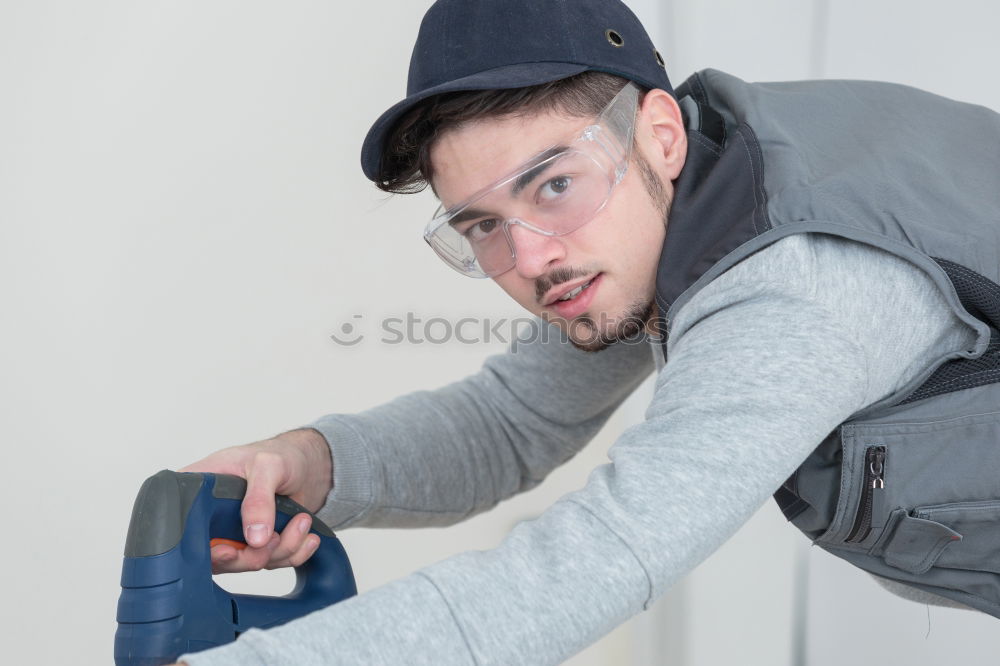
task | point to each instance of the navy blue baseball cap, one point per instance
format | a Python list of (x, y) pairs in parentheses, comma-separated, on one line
[(499, 44)]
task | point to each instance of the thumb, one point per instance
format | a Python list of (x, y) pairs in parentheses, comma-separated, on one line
[(258, 504)]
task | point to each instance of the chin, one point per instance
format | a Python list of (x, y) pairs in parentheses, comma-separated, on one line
[(593, 334)]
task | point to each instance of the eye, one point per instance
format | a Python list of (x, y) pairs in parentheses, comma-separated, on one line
[(480, 230), (554, 188)]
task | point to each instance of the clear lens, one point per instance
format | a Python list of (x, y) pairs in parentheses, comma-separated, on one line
[(553, 196)]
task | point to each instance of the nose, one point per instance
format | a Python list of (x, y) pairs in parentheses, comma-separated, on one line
[(534, 252)]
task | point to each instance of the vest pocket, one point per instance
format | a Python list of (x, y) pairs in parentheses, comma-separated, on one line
[(917, 544), (913, 495), (921, 494), (961, 535)]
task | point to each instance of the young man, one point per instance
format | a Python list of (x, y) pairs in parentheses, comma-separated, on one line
[(817, 261)]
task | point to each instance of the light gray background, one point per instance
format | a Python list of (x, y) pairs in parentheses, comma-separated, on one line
[(183, 223)]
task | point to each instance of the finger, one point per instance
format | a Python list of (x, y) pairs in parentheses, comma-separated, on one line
[(263, 474), (248, 559), (292, 538), (222, 555), (309, 547)]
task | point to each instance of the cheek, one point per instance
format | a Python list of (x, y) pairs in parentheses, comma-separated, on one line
[(648, 250), (646, 222), (633, 233), (640, 235)]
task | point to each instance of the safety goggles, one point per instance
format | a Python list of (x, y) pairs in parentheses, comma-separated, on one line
[(554, 194)]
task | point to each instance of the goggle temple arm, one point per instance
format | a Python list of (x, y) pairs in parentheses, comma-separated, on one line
[(615, 129)]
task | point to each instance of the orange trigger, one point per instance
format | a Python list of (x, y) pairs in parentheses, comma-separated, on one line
[(238, 545)]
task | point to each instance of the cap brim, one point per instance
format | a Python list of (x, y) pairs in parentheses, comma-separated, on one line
[(510, 76)]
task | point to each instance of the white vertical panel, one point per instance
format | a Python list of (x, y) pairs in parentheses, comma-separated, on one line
[(853, 620), (762, 40), (652, 14), (948, 48)]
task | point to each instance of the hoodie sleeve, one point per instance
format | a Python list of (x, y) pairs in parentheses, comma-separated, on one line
[(438, 457)]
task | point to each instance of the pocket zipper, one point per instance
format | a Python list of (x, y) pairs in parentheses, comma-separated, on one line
[(874, 480)]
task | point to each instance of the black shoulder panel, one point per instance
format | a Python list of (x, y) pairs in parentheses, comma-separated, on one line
[(719, 203)]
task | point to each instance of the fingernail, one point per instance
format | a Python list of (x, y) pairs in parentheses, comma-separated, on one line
[(256, 534), (304, 526)]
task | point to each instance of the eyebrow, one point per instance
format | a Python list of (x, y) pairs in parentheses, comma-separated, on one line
[(534, 172), (467, 214), (541, 165)]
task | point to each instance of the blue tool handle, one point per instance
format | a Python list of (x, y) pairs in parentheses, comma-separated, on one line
[(324, 576), (170, 605)]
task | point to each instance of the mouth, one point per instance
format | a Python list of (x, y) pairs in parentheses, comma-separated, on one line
[(567, 292), (572, 299)]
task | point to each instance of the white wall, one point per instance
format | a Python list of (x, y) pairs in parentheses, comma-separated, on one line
[(183, 223)]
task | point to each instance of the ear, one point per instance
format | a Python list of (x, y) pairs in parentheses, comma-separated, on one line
[(661, 134)]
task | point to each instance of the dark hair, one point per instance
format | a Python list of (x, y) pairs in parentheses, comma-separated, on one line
[(406, 166)]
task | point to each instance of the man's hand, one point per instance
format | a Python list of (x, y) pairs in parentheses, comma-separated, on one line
[(296, 464)]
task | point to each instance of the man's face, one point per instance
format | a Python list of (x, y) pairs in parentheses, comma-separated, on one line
[(614, 257)]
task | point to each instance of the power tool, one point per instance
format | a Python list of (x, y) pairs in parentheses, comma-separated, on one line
[(169, 603)]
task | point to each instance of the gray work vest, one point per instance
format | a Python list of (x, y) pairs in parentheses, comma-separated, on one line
[(909, 488)]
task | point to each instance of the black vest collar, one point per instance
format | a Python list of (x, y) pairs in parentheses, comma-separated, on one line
[(719, 202)]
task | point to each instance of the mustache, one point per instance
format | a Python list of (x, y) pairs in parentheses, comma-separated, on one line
[(557, 276)]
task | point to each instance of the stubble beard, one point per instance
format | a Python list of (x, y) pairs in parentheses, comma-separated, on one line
[(588, 335), (633, 322)]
